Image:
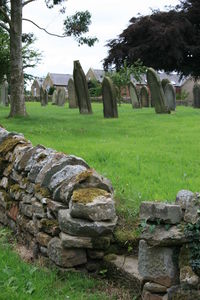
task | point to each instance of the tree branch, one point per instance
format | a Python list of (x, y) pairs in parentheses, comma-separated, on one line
[(4, 26), (53, 34), (27, 2), (5, 15)]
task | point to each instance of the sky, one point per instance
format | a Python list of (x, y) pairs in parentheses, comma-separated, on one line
[(109, 19)]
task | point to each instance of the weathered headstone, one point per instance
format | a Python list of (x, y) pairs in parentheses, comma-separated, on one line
[(157, 94), (170, 96), (134, 96), (81, 88), (54, 98), (109, 99), (144, 96), (61, 97), (164, 82), (196, 95), (4, 92), (72, 94), (43, 97)]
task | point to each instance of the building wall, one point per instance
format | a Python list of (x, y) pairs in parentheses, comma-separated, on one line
[(35, 89), (90, 75), (188, 88), (47, 82)]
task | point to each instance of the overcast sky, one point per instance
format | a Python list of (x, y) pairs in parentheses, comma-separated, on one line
[(109, 19)]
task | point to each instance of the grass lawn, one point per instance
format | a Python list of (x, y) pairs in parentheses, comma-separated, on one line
[(145, 155), (22, 281)]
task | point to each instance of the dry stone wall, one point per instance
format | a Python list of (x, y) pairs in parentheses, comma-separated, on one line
[(169, 249), (55, 203)]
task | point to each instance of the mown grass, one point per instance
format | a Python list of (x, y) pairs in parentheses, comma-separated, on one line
[(145, 155), (23, 281)]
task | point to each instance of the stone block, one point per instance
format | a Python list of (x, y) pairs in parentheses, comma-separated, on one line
[(158, 264), (94, 254), (183, 198), (164, 212), (92, 204), (154, 287), (63, 257), (43, 239), (79, 227), (150, 296), (26, 209), (69, 241), (192, 210)]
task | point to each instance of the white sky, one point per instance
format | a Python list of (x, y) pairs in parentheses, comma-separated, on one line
[(109, 19)]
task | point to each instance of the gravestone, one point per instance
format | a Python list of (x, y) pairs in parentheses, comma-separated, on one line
[(43, 97), (4, 92), (196, 95), (134, 96), (54, 98), (164, 82), (144, 96), (157, 94), (109, 99), (170, 96), (72, 94), (81, 89), (61, 97)]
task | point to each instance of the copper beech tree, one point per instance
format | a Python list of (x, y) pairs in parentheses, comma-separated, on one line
[(11, 17)]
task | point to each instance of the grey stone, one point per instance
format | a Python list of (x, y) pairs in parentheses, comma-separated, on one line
[(54, 98), (144, 96), (63, 257), (4, 182), (61, 97), (134, 96), (188, 277), (3, 217), (192, 212), (184, 197), (80, 227), (101, 208), (43, 239), (161, 236), (177, 292), (154, 287), (21, 163), (94, 254), (146, 295), (65, 174), (158, 264), (69, 241), (167, 213), (38, 210), (26, 209), (170, 96), (72, 94)]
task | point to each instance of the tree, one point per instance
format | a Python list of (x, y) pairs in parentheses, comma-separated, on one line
[(167, 41), (11, 20), (31, 57), (123, 76)]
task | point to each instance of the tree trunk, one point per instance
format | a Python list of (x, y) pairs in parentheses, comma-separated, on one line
[(16, 66)]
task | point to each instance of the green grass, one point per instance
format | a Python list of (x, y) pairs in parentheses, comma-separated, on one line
[(22, 281), (145, 155)]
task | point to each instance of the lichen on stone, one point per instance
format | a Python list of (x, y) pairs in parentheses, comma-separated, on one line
[(15, 188), (49, 223), (44, 192), (8, 145), (84, 175), (88, 195)]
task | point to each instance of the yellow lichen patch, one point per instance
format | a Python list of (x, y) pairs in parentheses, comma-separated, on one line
[(8, 145), (84, 175), (87, 195), (15, 188), (49, 223), (44, 192)]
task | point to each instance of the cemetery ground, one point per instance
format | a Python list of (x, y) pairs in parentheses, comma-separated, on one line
[(147, 156)]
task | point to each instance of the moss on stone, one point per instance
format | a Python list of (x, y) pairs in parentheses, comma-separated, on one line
[(184, 257), (84, 175), (15, 188), (101, 243), (110, 257), (44, 192), (8, 145), (47, 223), (87, 195)]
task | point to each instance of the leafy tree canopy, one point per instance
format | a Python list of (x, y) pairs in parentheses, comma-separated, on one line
[(168, 41)]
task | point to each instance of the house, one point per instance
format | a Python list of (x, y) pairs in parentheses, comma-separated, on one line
[(36, 85), (56, 80), (95, 74)]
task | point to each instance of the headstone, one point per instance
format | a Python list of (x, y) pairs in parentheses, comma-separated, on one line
[(54, 98), (4, 92), (157, 94), (196, 95), (164, 82), (61, 97), (109, 99), (43, 97), (144, 96), (170, 96), (134, 96), (81, 89), (72, 94)]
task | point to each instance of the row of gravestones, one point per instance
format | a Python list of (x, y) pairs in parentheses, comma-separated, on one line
[(163, 96)]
